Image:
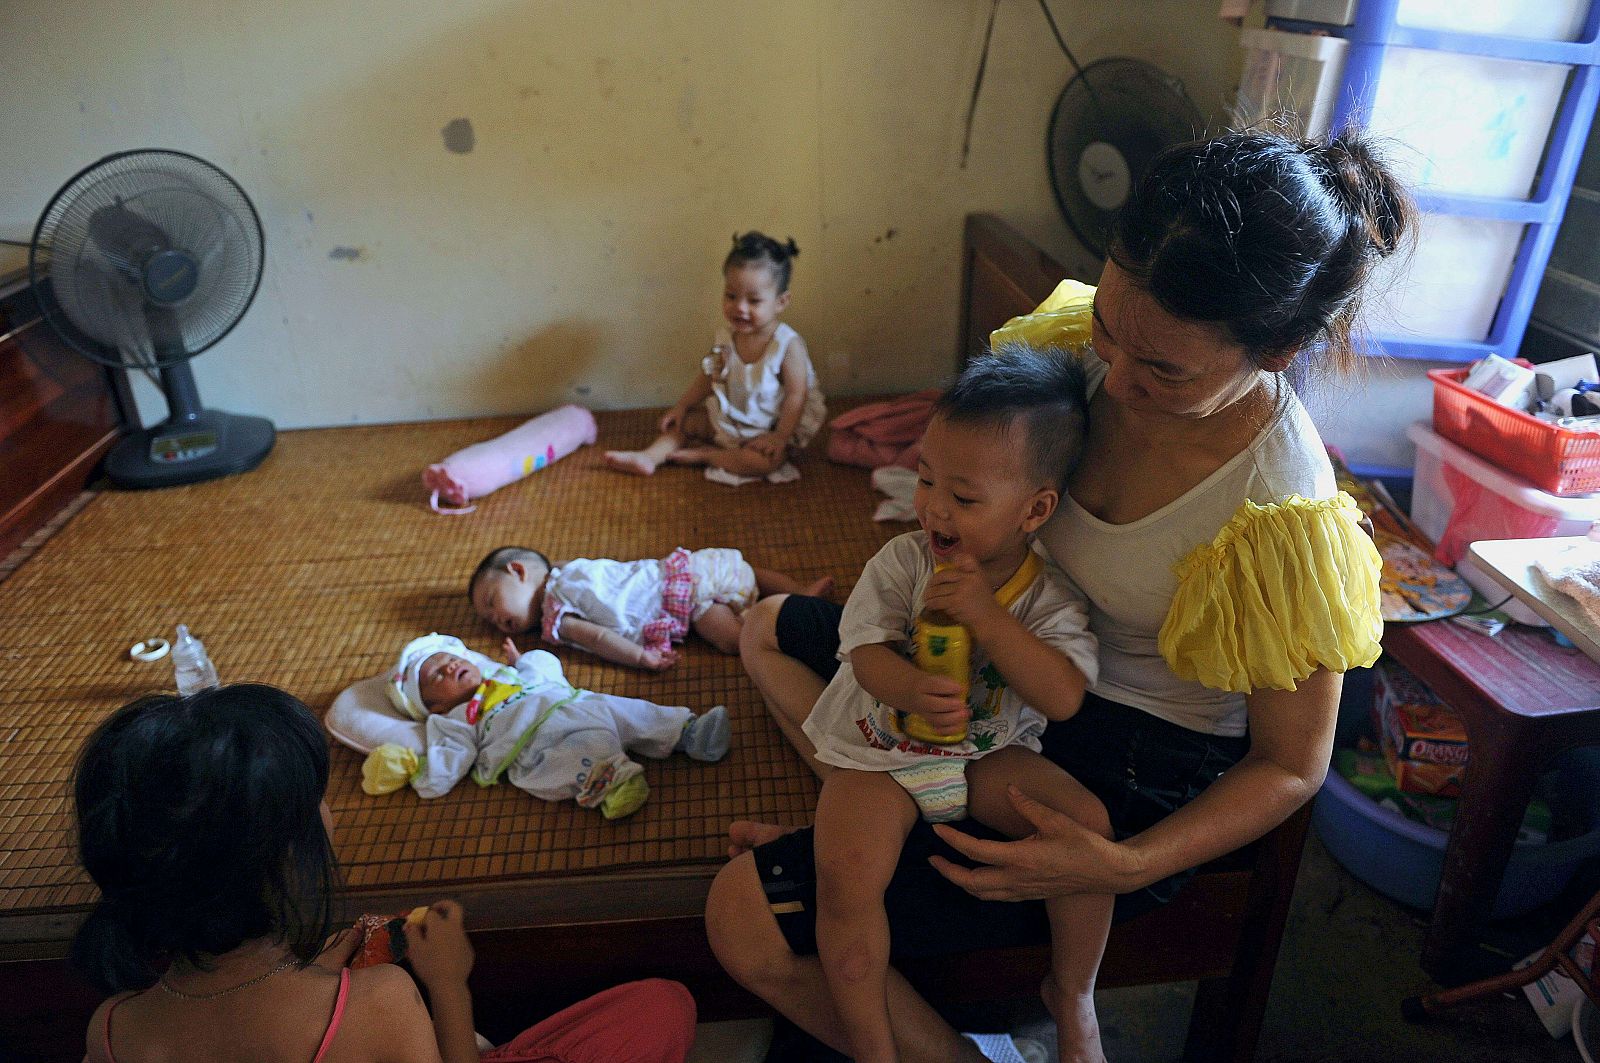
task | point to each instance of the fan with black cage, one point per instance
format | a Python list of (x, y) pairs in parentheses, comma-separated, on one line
[(1111, 120), (142, 261)]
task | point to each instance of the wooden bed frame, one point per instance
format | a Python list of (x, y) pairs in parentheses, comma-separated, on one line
[(543, 944)]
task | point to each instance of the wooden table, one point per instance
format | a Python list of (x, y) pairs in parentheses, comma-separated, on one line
[(1524, 700), (1510, 562)]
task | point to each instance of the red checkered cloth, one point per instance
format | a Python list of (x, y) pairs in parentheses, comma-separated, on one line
[(677, 603)]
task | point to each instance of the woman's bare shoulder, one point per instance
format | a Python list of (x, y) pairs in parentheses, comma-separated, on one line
[(384, 1019), (94, 1039)]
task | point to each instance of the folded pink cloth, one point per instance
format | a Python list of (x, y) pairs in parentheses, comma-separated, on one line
[(490, 465), (882, 433)]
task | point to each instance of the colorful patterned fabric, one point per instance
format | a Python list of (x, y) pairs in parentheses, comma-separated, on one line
[(677, 603), (939, 787)]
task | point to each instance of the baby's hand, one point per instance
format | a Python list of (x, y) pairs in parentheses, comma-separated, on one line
[(657, 660), (438, 947), (512, 653), (938, 700), (960, 590), (768, 444)]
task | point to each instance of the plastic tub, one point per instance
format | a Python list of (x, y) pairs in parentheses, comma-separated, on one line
[(1403, 860), (1457, 499)]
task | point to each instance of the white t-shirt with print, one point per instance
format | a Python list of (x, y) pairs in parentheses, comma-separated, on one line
[(852, 729)]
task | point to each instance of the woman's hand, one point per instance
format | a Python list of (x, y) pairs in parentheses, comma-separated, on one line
[(1059, 858), (438, 947)]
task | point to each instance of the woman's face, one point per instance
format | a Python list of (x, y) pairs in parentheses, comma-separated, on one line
[(1160, 365)]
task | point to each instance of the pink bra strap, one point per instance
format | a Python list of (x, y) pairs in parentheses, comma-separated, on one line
[(338, 1015), (110, 1058)]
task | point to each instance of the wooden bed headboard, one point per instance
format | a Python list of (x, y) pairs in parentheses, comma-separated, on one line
[(1003, 274)]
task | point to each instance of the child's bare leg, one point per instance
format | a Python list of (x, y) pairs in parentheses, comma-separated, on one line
[(770, 582), (720, 626), (1079, 922), (695, 427), (863, 818), (644, 462), (741, 462)]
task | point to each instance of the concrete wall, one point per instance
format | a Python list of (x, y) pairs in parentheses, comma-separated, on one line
[(491, 207)]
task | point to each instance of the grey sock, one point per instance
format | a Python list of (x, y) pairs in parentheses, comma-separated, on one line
[(707, 736)]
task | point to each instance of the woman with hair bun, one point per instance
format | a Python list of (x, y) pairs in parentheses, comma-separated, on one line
[(1229, 582)]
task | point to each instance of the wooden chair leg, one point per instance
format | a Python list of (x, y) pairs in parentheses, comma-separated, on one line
[(1226, 1021)]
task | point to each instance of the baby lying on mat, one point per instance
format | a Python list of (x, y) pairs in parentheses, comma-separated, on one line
[(629, 612), (526, 723)]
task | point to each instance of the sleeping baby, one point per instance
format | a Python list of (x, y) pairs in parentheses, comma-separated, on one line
[(524, 722)]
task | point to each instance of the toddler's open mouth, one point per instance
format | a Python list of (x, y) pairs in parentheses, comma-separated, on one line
[(941, 543)]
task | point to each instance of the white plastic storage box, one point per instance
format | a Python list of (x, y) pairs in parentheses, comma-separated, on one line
[(1450, 286), (1458, 499), (1540, 20), (1466, 124)]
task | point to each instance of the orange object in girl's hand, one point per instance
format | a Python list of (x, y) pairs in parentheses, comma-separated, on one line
[(383, 937)]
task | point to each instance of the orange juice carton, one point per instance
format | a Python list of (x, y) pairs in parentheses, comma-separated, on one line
[(1424, 742)]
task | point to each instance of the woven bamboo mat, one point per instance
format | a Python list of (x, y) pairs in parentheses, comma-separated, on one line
[(310, 572)]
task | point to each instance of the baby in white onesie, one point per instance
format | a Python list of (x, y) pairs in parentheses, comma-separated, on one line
[(526, 723), (629, 612)]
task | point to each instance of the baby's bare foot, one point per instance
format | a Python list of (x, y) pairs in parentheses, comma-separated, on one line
[(746, 834), (820, 589), (633, 461)]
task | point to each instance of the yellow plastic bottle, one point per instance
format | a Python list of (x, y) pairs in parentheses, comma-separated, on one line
[(943, 647)]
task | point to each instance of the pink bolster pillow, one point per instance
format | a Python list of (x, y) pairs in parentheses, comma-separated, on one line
[(490, 465)]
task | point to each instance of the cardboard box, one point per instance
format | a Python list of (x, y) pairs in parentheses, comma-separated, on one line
[(1423, 741)]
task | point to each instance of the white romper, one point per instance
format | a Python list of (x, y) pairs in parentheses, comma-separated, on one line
[(746, 396)]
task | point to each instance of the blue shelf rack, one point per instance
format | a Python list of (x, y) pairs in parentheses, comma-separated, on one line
[(1372, 34)]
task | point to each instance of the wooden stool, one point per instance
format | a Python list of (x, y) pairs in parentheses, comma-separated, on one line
[(1523, 700)]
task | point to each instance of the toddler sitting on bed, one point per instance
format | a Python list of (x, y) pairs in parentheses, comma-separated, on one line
[(629, 612), (525, 722), (754, 403)]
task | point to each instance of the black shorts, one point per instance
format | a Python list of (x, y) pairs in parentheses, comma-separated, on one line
[(1140, 766)]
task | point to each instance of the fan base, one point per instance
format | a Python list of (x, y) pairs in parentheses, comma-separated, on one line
[(209, 445)]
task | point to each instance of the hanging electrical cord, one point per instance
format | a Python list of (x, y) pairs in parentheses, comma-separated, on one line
[(977, 84), (983, 66)]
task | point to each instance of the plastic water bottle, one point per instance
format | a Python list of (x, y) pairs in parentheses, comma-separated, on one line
[(193, 669)]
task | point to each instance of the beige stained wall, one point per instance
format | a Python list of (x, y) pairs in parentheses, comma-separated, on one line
[(572, 254)]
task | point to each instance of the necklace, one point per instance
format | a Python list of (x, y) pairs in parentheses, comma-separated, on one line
[(284, 966)]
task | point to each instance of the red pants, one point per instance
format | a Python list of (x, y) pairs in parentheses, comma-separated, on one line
[(637, 1022)]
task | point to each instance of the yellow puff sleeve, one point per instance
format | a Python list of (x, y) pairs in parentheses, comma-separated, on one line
[(1284, 589), (1061, 321)]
